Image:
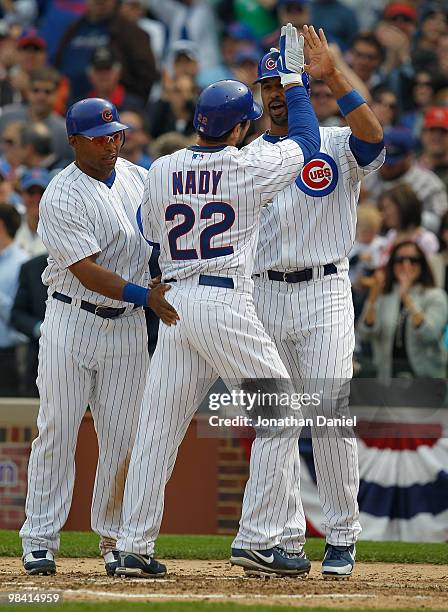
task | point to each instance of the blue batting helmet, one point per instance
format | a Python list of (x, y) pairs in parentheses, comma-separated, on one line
[(222, 105), (267, 69), (93, 117)]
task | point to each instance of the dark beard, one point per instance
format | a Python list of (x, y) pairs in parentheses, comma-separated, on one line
[(281, 122)]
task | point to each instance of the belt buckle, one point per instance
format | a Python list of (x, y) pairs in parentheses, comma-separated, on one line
[(285, 274), (100, 311)]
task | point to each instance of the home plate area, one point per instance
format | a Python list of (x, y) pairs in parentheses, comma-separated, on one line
[(373, 585)]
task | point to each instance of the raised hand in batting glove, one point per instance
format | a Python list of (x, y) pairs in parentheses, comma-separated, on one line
[(306, 80), (291, 62)]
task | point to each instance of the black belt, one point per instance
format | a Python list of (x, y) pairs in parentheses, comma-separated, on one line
[(299, 276), (101, 311), (210, 281)]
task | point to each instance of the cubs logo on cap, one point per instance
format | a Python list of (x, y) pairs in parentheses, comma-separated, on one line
[(319, 176), (267, 66), (106, 115)]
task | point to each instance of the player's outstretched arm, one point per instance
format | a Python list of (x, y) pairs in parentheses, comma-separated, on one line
[(322, 65), (303, 126), (105, 282)]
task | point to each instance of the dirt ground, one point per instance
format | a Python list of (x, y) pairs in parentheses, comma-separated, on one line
[(373, 585)]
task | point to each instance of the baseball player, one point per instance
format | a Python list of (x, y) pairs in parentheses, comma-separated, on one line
[(202, 205), (93, 346), (302, 290)]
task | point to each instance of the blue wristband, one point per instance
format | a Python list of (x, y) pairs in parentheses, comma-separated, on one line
[(135, 294), (350, 101)]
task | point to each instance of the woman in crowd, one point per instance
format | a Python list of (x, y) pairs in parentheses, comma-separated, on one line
[(405, 317), (402, 217), (439, 261)]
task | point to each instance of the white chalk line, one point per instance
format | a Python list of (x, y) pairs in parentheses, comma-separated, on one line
[(215, 595)]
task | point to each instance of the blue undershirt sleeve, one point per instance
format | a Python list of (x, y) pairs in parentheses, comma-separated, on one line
[(303, 126), (365, 152)]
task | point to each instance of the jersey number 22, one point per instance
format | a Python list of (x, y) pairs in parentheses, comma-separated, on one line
[(207, 212)]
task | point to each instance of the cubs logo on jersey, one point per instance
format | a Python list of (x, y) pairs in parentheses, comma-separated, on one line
[(319, 176)]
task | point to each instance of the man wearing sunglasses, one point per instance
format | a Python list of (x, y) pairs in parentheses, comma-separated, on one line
[(93, 345), (41, 98)]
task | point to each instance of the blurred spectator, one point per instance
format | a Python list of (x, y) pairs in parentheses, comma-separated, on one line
[(245, 68), (22, 12), (41, 97), (406, 319), (400, 166), (338, 20), (55, 17), (422, 97), (135, 145), (103, 26), (233, 39), (433, 25), (442, 57), (104, 74), (134, 11), (11, 259), (11, 149), (32, 56), (37, 148), (7, 192), (191, 20), (402, 217), (169, 143), (296, 12), (32, 186), (365, 255), (435, 142), (439, 261), (364, 57), (396, 34), (257, 15), (8, 57), (367, 13), (174, 110), (27, 315), (385, 105), (324, 104)]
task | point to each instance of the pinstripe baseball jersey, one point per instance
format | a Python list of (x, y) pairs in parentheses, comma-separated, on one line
[(313, 221), (81, 216), (203, 205)]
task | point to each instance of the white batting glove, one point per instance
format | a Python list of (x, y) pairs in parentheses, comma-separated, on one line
[(292, 59)]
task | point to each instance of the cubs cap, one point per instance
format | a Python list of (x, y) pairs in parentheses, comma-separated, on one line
[(93, 117)]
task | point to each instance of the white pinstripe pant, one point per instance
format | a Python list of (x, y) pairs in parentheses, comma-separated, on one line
[(84, 360), (219, 334), (312, 326)]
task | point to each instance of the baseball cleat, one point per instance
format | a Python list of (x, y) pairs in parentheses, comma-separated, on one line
[(39, 562), (111, 562), (139, 566), (339, 561), (271, 561)]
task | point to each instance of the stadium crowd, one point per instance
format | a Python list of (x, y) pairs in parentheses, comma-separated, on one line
[(151, 58)]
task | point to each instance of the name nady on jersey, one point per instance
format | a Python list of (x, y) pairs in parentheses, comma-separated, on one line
[(196, 182), (319, 176)]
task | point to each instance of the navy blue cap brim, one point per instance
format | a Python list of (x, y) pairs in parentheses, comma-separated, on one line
[(103, 130), (266, 76), (33, 183), (394, 159)]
